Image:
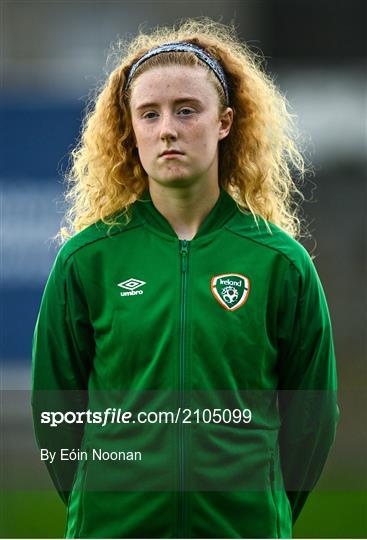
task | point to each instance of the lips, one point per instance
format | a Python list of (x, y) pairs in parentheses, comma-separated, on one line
[(171, 153)]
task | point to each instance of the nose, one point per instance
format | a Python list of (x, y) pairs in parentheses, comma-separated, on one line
[(168, 129)]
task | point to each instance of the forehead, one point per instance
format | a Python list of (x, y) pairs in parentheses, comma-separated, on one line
[(165, 82)]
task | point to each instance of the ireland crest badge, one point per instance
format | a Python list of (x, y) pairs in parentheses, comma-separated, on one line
[(231, 290)]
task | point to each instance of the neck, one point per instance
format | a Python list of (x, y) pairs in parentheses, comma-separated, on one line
[(184, 208)]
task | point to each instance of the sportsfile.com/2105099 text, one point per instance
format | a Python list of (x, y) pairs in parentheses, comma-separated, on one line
[(118, 416)]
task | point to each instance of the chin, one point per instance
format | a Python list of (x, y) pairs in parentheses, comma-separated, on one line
[(177, 181)]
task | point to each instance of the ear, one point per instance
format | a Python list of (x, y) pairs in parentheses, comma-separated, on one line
[(226, 120)]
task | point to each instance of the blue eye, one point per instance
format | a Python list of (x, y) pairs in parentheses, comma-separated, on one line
[(186, 111), (148, 115)]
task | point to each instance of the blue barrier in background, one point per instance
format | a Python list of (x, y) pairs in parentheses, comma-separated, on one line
[(35, 139)]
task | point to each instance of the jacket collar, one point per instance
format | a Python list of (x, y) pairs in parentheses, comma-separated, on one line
[(222, 211)]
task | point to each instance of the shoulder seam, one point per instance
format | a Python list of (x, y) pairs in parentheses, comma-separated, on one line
[(267, 246), (106, 235)]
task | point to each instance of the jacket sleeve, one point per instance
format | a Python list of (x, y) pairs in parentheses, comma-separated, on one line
[(62, 353), (307, 382)]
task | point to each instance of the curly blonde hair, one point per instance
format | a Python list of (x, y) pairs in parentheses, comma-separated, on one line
[(256, 160)]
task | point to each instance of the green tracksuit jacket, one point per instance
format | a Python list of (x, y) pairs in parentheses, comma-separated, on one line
[(135, 319)]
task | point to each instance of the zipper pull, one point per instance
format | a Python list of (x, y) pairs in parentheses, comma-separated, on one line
[(184, 253)]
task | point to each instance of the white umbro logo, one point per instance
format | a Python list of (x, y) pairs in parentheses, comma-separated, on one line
[(131, 284)]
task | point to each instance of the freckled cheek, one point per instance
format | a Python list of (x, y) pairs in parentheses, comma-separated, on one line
[(147, 155), (145, 144), (202, 142), (203, 134)]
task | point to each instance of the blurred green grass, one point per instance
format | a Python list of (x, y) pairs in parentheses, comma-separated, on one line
[(333, 514)]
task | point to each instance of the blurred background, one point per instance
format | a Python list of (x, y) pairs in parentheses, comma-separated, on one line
[(53, 54)]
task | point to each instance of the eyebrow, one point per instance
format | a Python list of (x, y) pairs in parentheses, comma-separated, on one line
[(176, 102)]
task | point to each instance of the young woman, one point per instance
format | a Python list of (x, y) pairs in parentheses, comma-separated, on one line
[(183, 289)]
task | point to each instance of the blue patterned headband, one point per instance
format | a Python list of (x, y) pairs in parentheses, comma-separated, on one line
[(183, 46)]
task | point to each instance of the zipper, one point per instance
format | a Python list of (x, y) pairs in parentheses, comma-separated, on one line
[(184, 250)]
